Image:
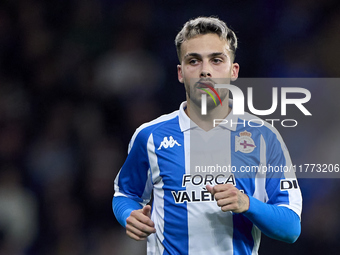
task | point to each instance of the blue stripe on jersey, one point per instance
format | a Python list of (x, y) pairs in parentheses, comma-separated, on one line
[(171, 163), (243, 241), (275, 157), (240, 159), (136, 159)]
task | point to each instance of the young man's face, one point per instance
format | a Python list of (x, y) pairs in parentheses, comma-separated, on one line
[(205, 61)]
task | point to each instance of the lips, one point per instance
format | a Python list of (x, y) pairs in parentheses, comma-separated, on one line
[(207, 85)]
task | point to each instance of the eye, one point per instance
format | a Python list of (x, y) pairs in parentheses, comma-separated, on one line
[(217, 60), (193, 61)]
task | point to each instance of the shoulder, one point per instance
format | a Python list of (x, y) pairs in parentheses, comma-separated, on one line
[(143, 132)]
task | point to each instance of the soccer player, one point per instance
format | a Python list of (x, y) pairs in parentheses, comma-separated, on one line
[(204, 211)]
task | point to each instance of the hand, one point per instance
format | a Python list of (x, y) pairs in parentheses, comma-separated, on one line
[(229, 198), (139, 224)]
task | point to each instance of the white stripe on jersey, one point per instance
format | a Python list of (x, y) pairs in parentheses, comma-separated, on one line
[(260, 192), (202, 219), (154, 244)]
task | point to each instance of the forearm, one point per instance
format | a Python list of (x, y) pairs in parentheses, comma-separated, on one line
[(277, 222), (122, 208)]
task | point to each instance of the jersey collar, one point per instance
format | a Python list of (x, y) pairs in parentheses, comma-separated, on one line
[(186, 123)]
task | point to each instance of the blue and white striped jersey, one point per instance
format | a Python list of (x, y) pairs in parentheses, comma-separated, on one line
[(186, 217)]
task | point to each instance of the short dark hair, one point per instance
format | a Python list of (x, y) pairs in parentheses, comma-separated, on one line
[(206, 25)]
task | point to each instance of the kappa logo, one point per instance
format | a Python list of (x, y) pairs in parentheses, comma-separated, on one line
[(168, 143), (244, 142)]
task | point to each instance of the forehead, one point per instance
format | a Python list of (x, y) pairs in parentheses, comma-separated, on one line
[(204, 45)]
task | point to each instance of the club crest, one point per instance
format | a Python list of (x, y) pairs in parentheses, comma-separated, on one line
[(244, 143)]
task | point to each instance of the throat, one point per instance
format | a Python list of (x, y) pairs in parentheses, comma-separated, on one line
[(206, 122)]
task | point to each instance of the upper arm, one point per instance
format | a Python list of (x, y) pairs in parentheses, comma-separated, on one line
[(134, 180), (281, 184)]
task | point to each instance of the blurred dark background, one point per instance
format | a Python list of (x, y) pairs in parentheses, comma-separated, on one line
[(77, 78)]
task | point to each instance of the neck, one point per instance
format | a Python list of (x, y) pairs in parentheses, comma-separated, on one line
[(206, 122)]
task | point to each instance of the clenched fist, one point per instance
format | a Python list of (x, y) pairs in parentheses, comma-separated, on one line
[(139, 224), (229, 198)]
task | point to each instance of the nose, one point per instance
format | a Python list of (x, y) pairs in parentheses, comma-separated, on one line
[(205, 73)]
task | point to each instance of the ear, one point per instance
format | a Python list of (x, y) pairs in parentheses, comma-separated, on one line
[(180, 74), (234, 71)]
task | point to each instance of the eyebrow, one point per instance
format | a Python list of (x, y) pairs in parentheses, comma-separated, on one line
[(214, 54)]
